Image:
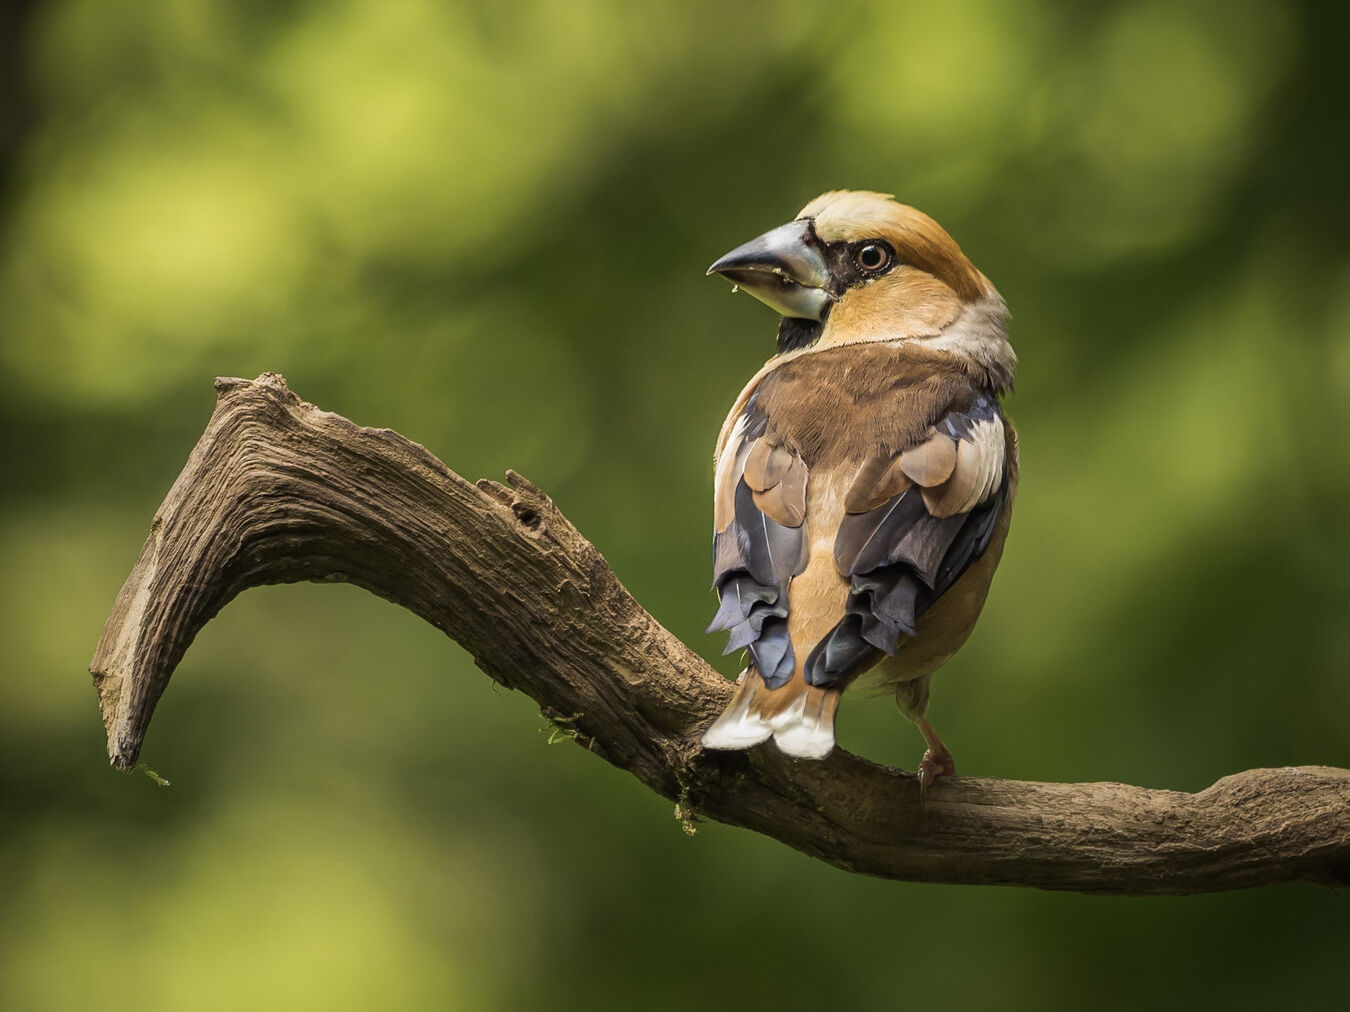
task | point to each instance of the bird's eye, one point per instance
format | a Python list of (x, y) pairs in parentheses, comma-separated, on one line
[(873, 256)]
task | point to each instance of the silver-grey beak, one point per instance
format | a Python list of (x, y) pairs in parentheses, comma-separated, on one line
[(784, 268)]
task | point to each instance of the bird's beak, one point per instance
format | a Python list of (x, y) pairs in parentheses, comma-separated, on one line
[(784, 269)]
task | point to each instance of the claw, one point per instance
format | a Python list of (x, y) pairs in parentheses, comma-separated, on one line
[(935, 763)]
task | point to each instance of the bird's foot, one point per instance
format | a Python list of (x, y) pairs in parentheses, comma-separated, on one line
[(935, 762)]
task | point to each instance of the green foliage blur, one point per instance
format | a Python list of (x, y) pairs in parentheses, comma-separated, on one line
[(486, 226)]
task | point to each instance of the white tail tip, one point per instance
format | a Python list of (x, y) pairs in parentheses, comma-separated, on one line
[(805, 740), (803, 729)]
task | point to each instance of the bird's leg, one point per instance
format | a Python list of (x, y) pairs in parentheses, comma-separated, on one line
[(937, 759), (911, 696)]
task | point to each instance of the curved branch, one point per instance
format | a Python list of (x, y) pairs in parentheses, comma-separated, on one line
[(278, 491)]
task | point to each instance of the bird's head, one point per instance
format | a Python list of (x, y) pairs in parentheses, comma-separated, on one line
[(856, 266)]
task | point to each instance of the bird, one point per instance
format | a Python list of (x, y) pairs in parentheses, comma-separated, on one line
[(864, 478)]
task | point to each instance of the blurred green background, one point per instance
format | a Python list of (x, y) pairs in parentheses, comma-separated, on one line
[(486, 226)]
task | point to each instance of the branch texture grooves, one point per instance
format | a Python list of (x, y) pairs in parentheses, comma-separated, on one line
[(278, 491)]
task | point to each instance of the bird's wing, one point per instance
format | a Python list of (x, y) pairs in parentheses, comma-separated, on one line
[(759, 543), (914, 523)]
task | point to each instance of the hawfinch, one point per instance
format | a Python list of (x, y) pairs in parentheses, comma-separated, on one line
[(865, 475)]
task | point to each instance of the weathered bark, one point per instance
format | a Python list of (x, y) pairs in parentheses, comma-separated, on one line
[(279, 491)]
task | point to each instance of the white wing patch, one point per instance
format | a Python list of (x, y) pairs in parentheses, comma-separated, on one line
[(978, 472), (727, 473)]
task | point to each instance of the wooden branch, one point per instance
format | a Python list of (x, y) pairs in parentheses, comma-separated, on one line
[(279, 491)]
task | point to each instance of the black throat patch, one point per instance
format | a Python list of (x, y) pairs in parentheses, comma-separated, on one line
[(794, 332)]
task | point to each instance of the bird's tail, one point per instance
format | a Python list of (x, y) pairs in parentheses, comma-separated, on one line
[(800, 718)]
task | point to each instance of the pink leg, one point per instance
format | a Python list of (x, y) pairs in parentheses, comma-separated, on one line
[(937, 759)]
